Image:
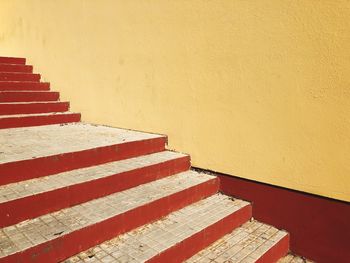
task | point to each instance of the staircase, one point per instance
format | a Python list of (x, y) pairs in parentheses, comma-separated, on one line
[(77, 192), (25, 101)]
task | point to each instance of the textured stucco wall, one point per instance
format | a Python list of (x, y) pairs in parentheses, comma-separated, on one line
[(258, 89)]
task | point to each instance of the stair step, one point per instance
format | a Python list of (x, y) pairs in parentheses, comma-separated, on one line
[(47, 194), (56, 236), (293, 259), (23, 85), (252, 242), (12, 108), (38, 119), (175, 237), (12, 60), (32, 152), (14, 76), (16, 68), (27, 96)]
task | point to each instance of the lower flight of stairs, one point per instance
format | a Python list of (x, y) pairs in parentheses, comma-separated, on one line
[(77, 192)]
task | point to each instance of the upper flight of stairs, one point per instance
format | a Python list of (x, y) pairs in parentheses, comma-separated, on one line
[(86, 193), (25, 101)]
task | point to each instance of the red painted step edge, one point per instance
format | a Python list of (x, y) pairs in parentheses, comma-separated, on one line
[(75, 242), (275, 253), (16, 68), (14, 76), (33, 107), (12, 60), (26, 96), (23, 85), (42, 166), (192, 245), (39, 120), (47, 202)]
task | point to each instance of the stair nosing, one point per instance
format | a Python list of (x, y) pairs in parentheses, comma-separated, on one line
[(23, 81), (230, 245), (28, 91), (114, 136), (32, 102), (160, 190), (171, 230), (27, 115), (85, 174)]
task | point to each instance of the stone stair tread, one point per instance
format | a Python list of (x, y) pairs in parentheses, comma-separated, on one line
[(152, 239), (39, 185), (32, 142), (245, 244), (33, 232)]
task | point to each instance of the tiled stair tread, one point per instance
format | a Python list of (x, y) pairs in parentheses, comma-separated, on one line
[(20, 81), (19, 73), (27, 91), (10, 64), (44, 184), (36, 114), (151, 239), (33, 102), (13, 60), (44, 228), (293, 259), (27, 143), (245, 244)]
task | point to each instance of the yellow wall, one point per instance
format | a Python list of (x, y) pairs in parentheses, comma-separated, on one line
[(254, 88)]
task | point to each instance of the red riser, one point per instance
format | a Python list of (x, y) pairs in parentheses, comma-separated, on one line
[(26, 96), (29, 108), (44, 203), (42, 166), (23, 85), (19, 77), (276, 252), (11, 60), (192, 245), (71, 244), (16, 68), (16, 122)]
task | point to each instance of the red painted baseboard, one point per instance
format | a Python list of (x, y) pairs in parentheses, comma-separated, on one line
[(319, 227), (28, 169), (33, 107), (26, 96), (47, 202), (71, 244), (23, 85)]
